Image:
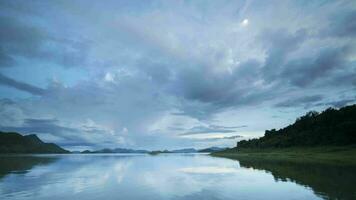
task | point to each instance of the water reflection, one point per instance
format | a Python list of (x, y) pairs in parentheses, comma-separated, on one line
[(21, 164), (176, 176), (209, 170), (327, 180)]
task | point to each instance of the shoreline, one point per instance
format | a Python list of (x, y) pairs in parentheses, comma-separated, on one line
[(340, 155)]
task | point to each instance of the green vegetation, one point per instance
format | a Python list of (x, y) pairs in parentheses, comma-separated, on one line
[(11, 142), (331, 127), (326, 136), (343, 155)]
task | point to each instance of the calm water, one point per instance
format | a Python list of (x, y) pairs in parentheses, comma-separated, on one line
[(173, 176)]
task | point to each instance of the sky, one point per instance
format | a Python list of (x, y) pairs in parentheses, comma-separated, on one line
[(171, 74)]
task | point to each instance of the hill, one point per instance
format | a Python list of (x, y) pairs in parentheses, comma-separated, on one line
[(11, 142), (211, 150), (187, 150), (330, 127)]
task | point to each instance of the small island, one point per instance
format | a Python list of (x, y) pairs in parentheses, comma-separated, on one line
[(329, 136)]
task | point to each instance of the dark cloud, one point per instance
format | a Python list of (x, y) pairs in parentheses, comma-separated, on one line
[(198, 83), (22, 38), (5, 59), (20, 8), (305, 71), (19, 38), (40, 126), (6, 101), (338, 103), (341, 24), (279, 43), (300, 101), (4, 80), (209, 92), (341, 103), (203, 92), (232, 137)]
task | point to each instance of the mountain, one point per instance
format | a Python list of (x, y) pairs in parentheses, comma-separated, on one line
[(116, 150), (123, 150), (11, 142), (330, 127), (188, 150), (211, 149)]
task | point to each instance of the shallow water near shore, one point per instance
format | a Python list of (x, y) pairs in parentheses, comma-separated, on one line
[(169, 176)]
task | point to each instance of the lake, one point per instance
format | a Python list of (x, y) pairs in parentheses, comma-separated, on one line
[(169, 176)]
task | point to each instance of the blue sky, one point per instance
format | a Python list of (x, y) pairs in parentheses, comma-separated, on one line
[(171, 74)]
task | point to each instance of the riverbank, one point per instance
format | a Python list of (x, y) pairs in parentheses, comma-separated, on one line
[(343, 155)]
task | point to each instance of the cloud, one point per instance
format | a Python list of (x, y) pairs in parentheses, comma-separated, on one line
[(300, 101), (89, 135), (305, 71), (5, 60), (4, 80), (341, 24), (24, 39), (338, 103), (232, 137), (44, 127), (279, 44), (110, 77), (40, 126), (11, 113), (211, 129)]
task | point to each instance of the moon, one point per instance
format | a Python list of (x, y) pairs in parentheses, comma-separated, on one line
[(244, 22)]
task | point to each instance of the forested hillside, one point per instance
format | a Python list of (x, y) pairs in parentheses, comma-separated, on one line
[(330, 127), (11, 142)]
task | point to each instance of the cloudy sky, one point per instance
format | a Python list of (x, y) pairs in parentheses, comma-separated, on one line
[(171, 74)]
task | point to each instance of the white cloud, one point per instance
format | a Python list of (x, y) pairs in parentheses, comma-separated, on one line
[(109, 77)]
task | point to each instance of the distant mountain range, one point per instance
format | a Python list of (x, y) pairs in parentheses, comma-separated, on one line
[(186, 150), (192, 150), (11, 142), (211, 149), (116, 150), (189, 150)]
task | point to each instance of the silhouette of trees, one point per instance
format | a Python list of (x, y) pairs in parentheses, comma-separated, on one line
[(330, 127)]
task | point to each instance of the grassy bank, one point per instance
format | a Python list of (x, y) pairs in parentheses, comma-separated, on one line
[(325, 154)]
